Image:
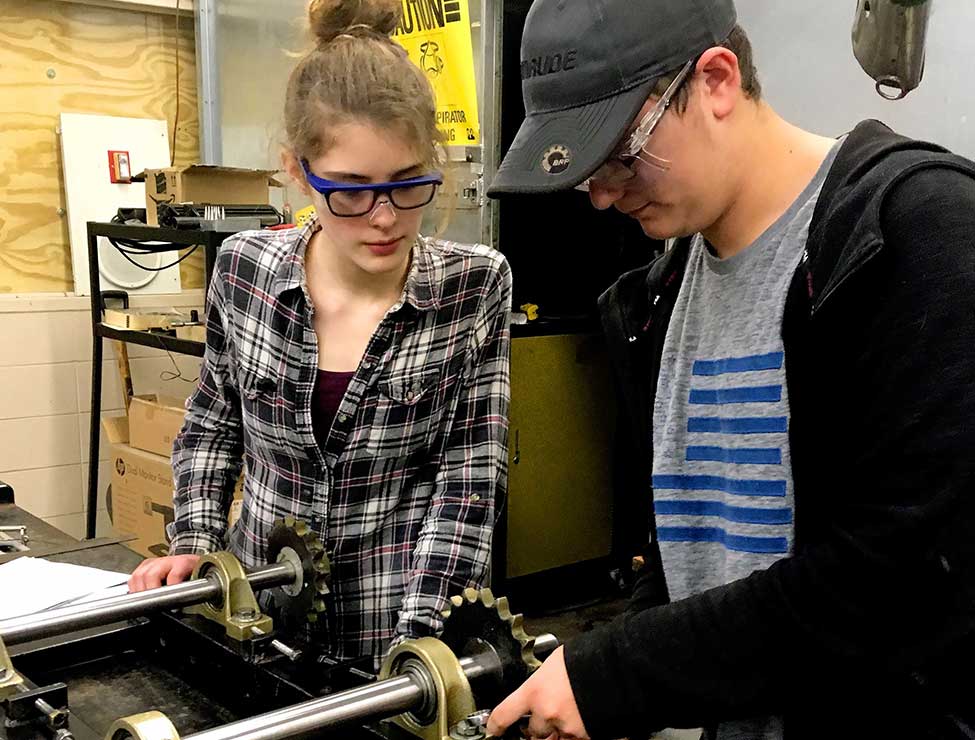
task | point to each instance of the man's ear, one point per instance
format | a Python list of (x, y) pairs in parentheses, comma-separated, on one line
[(721, 76), (291, 165)]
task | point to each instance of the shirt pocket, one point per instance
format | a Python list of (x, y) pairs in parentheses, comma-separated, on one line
[(407, 415), (262, 405)]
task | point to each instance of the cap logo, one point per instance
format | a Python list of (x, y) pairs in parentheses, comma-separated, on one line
[(563, 61), (556, 159)]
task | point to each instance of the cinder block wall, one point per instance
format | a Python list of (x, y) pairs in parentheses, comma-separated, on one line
[(45, 397)]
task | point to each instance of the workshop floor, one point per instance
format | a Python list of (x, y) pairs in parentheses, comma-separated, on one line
[(574, 621)]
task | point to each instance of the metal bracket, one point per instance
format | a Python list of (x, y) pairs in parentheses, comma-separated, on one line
[(474, 192), (449, 692), (145, 726), (9, 678), (237, 611), (49, 704), (16, 544), (20, 529)]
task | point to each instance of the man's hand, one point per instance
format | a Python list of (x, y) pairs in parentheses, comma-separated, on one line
[(546, 696), (152, 573)]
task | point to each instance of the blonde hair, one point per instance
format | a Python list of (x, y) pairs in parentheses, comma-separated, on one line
[(357, 73)]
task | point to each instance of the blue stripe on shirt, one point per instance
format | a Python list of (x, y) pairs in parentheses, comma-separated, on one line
[(730, 541), (771, 361), (738, 486), (719, 425), (752, 394), (741, 456), (738, 514)]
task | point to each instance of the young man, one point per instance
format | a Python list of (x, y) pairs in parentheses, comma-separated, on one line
[(799, 368)]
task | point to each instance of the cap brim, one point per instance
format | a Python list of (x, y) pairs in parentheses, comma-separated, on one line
[(557, 150)]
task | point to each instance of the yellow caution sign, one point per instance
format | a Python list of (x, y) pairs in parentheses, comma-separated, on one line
[(305, 216), (437, 36)]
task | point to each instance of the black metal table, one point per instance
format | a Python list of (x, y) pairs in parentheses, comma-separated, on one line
[(52, 544), (150, 239)]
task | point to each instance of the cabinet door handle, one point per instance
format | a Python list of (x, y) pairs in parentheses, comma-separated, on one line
[(517, 456)]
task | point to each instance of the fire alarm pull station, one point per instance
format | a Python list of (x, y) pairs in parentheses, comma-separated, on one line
[(119, 169)]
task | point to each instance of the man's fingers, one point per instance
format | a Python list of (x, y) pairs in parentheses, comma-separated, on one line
[(539, 727), (507, 713)]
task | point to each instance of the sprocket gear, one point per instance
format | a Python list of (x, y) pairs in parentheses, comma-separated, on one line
[(304, 602), (475, 620)]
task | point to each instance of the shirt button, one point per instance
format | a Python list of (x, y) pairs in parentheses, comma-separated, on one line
[(475, 498), (343, 418), (367, 365)]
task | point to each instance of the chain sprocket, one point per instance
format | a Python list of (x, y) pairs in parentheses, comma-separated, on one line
[(475, 620), (305, 602)]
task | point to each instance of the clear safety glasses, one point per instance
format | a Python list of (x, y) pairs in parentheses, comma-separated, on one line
[(620, 167)]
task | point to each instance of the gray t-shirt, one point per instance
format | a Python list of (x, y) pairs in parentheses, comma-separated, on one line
[(722, 475)]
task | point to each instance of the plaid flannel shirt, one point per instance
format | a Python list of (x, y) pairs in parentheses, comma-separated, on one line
[(402, 492)]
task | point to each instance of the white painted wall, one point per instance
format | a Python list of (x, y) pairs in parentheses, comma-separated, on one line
[(805, 61)]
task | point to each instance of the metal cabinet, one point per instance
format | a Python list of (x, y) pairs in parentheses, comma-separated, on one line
[(560, 488)]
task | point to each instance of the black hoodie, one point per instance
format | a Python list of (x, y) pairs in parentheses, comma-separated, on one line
[(868, 629)]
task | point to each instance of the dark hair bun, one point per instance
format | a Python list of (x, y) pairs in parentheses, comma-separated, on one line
[(332, 18)]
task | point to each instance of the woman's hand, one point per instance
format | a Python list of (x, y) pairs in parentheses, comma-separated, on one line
[(155, 572)]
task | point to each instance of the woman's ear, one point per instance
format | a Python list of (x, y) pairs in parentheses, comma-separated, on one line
[(291, 165)]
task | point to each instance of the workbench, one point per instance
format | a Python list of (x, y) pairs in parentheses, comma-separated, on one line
[(182, 666), (106, 552)]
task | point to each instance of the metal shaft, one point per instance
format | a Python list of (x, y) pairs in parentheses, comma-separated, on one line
[(97, 613), (373, 701), (369, 703)]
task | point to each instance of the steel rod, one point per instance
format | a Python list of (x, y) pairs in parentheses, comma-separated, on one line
[(373, 701), (369, 703), (545, 645), (105, 611)]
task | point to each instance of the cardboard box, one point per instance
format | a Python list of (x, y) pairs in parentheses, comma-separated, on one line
[(193, 332), (205, 184), (154, 422), (142, 320), (141, 501)]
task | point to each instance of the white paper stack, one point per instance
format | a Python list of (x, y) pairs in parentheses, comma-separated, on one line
[(29, 585)]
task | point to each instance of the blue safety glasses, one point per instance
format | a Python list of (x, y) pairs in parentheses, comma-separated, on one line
[(348, 200)]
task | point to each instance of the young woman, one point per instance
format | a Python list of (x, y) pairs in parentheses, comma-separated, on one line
[(359, 369)]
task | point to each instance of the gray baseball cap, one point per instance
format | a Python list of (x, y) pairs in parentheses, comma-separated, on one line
[(587, 68)]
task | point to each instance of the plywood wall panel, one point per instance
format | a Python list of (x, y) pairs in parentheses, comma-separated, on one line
[(65, 57)]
